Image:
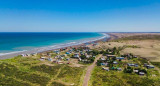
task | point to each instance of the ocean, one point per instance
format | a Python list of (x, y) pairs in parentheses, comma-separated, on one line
[(20, 41)]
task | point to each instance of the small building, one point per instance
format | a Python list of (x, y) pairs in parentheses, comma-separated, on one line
[(111, 56), (150, 66), (76, 55), (103, 59), (136, 71), (42, 58), (136, 65), (50, 59), (88, 56), (114, 68), (135, 57), (141, 73), (59, 62), (115, 62), (145, 64), (104, 64), (67, 53), (120, 58), (104, 68), (131, 64), (24, 55), (119, 69), (67, 59), (57, 51)]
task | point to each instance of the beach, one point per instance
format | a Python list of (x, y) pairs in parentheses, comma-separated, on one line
[(54, 47)]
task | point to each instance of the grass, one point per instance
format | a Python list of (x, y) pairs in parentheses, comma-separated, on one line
[(51, 70), (28, 71), (156, 64), (114, 78), (57, 84), (71, 74), (7, 81), (141, 37), (33, 78)]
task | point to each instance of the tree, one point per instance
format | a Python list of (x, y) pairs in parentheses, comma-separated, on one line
[(83, 57), (128, 70), (99, 62)]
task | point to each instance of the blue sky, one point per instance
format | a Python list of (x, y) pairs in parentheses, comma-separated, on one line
[(79, 15)]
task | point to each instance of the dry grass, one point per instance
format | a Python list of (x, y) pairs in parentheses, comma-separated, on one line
[(149, 49)]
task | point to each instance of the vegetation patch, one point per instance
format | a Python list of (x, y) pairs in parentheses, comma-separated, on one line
[(71, 74), (7, 81), (51, 70), (34, 78), (57, 84), (112, 78), (156, 64)]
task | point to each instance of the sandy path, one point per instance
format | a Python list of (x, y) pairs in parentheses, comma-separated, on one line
[(88, 73)]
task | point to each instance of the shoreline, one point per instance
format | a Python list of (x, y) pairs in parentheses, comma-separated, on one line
[(54, 47)]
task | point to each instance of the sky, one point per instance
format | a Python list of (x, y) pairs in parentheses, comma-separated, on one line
[(79, 15)]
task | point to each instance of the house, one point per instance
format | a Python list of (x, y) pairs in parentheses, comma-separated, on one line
[(104, 64), (145, 64), (50, 59), (150, 66), (68, 59), (67, 53), (84, 60), (23, 55), (114, 68), (141, 73), (103, 59), (57, 51), (119, 69), (104, 68), (135, 57), (76, 55), (111, 56), (136, 65), (34, 54), (131, 64), (136, 70), (115, 62), (120, 58), (88, 56), (42, 58), (59, 62)]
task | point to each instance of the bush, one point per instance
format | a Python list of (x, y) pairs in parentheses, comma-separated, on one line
[(5, 81), (51, 70), (99, 62), (56, 84), (34, 78), (128, 70)]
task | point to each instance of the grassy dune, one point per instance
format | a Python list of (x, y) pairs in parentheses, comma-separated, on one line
[(28, 71), (113, 78)]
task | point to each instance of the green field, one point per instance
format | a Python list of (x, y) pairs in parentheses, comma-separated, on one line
[(27, 71), (116, 78)]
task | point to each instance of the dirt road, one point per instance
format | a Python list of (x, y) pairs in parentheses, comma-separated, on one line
[(89, 70)]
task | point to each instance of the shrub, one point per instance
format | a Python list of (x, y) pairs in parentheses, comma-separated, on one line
[(56, 84)]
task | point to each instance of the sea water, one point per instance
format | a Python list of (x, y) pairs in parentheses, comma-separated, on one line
[(20, 41)]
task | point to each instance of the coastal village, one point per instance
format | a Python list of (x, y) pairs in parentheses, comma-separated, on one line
[(83, 65), (69, 55), (111, 59)]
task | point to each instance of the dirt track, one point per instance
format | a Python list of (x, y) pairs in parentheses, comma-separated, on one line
[(88, 73)]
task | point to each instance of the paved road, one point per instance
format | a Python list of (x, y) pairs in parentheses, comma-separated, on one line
[(89, 70)]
